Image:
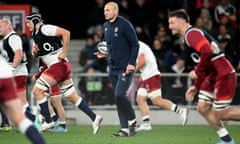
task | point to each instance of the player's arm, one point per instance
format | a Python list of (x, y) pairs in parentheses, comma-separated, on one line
[(65, 35), (16, 44), (191, 93), (140, 62), (17, 58), (198, 41), (34, 50)]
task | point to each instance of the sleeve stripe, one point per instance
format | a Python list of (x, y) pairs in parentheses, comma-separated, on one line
[(201, 44)]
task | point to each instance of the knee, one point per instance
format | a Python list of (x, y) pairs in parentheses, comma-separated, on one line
[(154, 102), (38, 93), (140, 99), (73, 98), (223, 114), (56, 101), (203, 110)]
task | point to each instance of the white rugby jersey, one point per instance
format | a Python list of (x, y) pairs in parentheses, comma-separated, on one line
[(49, 44), (150, 69), (14, 42), (5, 70)]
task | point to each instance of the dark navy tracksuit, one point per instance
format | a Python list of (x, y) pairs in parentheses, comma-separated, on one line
[(122, 43)]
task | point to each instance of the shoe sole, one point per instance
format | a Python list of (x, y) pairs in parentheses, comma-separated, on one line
[(58, 131), (143, 130), (185, 123), (116, 135), (100, 121), (133, 134)]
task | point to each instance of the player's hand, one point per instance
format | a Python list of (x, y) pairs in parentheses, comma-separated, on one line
[(35, 50), (33, 78), (62, 55), (99, 55), (13, 69), (190, 93), (193, 75)]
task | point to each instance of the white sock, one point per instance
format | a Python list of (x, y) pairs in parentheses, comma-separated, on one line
[(146, 119), (131, 122), (125, 130), (222, 132), (41, 100), (24, 125), (173, 107)]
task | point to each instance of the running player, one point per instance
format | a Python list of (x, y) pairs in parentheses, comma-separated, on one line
[(12, 106), (50, 44), (150, 87), (213, 68)]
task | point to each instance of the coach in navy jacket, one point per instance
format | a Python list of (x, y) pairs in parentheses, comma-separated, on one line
[(122, 44)]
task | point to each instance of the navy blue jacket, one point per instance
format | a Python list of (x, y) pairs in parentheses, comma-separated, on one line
[(122, 43)]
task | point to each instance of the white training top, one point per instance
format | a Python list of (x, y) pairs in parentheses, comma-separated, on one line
[(15, 43), (150, 69), (5, 70), (51, 58)]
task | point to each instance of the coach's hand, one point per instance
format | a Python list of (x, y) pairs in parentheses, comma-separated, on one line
[(100, 55), (130, 68)]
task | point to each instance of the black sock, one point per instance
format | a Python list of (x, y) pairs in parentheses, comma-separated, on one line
[(177, 109), (5, 121), (45, 112), (86, 109), (226, 138), (62, 125), (146, 120), (34, 136), (54, 117), (29, 115)]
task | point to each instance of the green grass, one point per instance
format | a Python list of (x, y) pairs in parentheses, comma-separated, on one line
[(161, 134)]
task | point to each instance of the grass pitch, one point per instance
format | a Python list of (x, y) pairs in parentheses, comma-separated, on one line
[(161, 134)]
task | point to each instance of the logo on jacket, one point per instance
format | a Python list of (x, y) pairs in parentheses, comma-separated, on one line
[(116, 31)]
